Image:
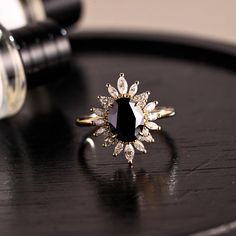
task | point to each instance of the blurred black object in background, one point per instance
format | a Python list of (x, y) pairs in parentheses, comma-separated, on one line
[(27, 55), (44, 48), (64, 12)]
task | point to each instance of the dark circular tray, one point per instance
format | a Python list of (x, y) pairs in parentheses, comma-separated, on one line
[(51, 183)]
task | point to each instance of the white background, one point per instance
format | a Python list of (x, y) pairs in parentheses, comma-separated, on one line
[(214, 19)]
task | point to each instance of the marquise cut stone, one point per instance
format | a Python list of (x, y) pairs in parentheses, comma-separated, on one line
[(126, 119)]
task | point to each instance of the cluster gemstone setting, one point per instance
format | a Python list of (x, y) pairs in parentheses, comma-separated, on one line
[(126, 118)]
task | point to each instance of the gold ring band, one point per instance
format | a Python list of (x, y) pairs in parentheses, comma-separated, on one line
[(163, 112), (126, 118)]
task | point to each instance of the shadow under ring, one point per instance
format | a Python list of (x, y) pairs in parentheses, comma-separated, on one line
[(123, 187), (87, 141)]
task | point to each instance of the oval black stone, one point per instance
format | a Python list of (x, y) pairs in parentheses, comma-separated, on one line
[(125, 119)]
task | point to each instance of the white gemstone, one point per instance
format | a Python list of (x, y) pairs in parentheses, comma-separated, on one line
[(150, 106), (106, 101), (118, 148), (98, 111), (129, 152), (112, 91), (145, 131), (98, 122), (152, 126), (122, 85), (139, 146), (153, 116), (100, 131), (148, 138), (141, 99), (108, 141), (133, 89)]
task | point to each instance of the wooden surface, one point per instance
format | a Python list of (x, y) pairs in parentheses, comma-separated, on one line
[(54, 184)]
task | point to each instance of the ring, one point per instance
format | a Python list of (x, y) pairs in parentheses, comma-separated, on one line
[(125, 118)]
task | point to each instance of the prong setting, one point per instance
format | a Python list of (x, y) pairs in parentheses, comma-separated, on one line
[(138, 102)]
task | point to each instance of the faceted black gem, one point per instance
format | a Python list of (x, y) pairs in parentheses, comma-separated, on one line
[(126, 119)]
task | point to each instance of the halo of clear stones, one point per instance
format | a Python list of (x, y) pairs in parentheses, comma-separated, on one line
[(126, 118)]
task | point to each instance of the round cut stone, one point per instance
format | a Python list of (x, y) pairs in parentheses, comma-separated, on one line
[(126, 119)]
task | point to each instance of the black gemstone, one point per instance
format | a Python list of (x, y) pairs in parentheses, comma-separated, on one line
[(125, 119)]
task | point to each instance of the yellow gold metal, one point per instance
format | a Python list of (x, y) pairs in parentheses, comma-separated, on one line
[(87, 120), (163, 112), (149, 112)]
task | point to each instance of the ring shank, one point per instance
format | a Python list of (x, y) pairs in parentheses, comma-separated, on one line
[(163, 112), (86, 120)]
